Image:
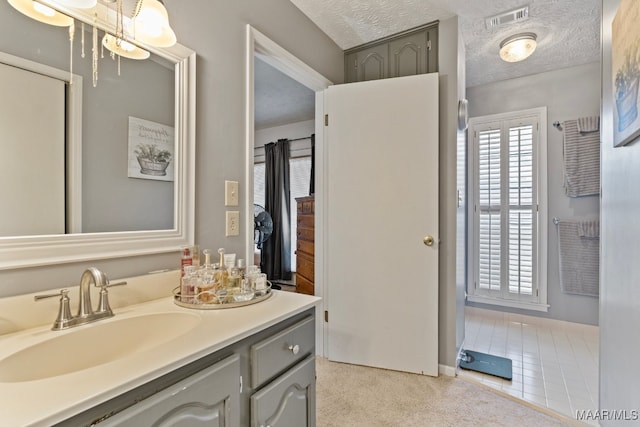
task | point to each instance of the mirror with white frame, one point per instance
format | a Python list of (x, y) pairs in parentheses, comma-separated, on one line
[(110, 203)]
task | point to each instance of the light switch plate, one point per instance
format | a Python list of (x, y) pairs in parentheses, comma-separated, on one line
[(233, 223), (231, 193)]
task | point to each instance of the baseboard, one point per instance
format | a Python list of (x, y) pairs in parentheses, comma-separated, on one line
[(449, 371)]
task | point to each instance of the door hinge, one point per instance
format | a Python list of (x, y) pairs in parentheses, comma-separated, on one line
[(326, 120), (428, 44), (326, 316), (240, 384), (537, 293), (355, 63)]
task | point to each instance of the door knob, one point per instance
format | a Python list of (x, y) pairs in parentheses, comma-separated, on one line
[(428, 240)]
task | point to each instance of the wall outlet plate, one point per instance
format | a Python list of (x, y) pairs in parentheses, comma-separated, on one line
[(233, 223), (231, 193)]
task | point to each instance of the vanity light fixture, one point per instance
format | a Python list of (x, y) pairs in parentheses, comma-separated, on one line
[(123, 48), (40, 12), (151, 24), (518, 47)]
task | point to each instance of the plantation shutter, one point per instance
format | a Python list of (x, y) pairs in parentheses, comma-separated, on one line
[(506, 209), (489, 209)]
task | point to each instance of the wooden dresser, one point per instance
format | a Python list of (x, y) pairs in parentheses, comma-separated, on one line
[(305, 246)]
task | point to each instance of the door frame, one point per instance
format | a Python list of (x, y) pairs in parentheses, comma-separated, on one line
[(257, 44)]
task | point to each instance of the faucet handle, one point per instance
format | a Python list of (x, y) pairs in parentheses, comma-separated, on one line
[(64, 311), (62, 294), (103, 302)]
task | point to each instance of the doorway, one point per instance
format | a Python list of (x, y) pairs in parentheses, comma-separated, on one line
[(260, 46)]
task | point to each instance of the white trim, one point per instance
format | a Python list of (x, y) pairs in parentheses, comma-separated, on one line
[(446, 370), (31, 251), (508, 303), (257, 44)]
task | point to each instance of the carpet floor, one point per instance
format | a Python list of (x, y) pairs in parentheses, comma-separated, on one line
[(357, 396)]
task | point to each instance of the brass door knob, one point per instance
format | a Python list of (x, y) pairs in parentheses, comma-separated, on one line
[(428, 240)]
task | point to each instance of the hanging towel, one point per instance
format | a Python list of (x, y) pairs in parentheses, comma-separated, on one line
[(581, 161), (589, 229), (589, 124), (579, 260)]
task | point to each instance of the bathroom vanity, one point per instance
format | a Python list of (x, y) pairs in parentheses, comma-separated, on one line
[(157, 362)]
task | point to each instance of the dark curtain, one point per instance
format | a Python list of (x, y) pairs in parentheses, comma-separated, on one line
[(275, 258), (312, 183)]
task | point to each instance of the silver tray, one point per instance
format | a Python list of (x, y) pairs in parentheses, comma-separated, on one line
[(220, 306)]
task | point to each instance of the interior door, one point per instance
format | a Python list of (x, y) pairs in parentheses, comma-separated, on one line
[(382, 205)]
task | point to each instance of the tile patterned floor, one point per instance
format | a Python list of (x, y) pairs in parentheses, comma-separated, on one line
[(555, 363)]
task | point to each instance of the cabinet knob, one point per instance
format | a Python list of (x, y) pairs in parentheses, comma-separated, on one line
[(295, 349)]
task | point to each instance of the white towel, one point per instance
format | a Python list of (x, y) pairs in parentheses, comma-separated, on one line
[(589, 124), (581, 161), (579, 261)]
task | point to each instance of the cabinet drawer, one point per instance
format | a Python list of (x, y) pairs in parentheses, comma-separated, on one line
[(277, 353), (306, 206), (304, 286), (305, 246), (305, 267), (305, 221), (305, 234), (289, 401)]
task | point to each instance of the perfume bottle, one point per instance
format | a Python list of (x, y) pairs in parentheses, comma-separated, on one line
[(188, 285), (186, 259), (206, 280), (222, 274)]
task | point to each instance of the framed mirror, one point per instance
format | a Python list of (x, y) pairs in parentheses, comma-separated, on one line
[(112, 201)]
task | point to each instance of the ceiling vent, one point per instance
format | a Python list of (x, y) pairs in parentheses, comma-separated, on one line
[(511, 17)]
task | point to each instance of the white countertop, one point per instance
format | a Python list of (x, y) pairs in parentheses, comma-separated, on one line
[(47, 401)]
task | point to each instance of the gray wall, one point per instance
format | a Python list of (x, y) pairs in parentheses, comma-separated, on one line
[(568, 94), (216, 31), (620, 254)]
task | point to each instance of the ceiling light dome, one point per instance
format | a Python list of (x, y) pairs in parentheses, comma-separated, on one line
[(41, 12), (123, 48), (151, 22), (518, 47)]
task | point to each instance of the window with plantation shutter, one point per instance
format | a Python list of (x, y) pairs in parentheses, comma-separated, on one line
[(508, 211)]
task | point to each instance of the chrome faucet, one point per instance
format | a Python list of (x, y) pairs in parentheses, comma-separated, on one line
[(86, 314)]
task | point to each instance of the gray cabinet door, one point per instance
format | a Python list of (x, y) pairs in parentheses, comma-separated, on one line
[(406, 54), (208, 398), (288, 401), (372, 63)]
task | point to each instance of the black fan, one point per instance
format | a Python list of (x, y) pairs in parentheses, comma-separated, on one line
[(262, 225)]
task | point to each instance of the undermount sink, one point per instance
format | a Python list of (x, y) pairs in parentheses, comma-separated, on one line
[(93, 345)]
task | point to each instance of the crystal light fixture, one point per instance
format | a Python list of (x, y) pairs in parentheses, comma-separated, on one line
[(151, 24), (518, 47), (40, 12)]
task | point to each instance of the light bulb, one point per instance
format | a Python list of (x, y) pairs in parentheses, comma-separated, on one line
[(151, 22), (124, 48)]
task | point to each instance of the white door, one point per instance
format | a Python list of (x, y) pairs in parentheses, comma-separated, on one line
[(382, 201)]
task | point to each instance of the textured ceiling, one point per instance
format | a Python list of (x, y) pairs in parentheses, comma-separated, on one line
[(568, 35), (279, 99), (568, 30)]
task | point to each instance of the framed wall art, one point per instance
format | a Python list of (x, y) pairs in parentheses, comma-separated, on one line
[(625, 63), (151, 150)]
